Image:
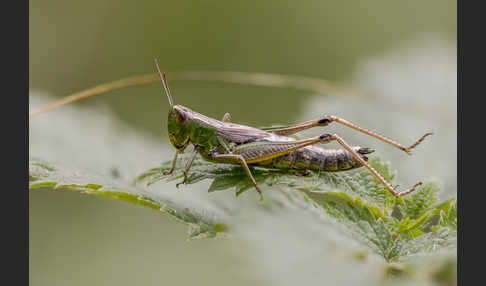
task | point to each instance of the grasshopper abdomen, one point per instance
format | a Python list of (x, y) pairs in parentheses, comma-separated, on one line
[(315, 158)]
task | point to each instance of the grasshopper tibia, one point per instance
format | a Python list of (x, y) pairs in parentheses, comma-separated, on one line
[(326, 120), (372, 170)]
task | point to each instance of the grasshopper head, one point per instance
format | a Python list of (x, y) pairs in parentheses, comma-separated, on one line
[(179, 130)]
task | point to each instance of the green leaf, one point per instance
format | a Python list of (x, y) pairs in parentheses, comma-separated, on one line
[(442, 238), (447, 213), (50, 178), (354, 199), (441, 215), (389, 227), (366, 222), (416, 204)]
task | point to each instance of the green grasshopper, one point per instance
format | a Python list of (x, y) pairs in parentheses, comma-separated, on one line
[(226, 142)]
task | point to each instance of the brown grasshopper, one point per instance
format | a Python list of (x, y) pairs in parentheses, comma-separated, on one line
[(226, 142)]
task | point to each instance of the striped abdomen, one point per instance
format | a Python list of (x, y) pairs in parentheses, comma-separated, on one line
[(315, 158)]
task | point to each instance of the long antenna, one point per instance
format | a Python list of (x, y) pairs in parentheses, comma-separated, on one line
[(164, 83)]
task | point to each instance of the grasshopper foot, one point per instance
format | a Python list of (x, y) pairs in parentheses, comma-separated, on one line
[(407, 149), (165, 172), (260, 193), (183, 181), (409, 191)]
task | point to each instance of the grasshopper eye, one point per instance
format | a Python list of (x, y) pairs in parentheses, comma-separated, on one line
[(181, 118)]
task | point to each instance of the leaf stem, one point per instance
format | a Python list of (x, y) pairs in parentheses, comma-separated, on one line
[(258, 79)]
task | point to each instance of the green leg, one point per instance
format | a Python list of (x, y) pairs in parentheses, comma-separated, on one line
[(188, 166), (174, 161), (234, 158)]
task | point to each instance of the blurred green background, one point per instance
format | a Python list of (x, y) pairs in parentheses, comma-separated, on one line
[(83, 240)]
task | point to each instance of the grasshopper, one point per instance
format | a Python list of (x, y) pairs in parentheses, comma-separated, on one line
[(221, 141)]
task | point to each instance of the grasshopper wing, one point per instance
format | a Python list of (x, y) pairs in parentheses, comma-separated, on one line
[(238, 133), (243, 134)]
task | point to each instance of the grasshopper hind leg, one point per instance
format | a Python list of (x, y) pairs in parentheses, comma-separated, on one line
[(263, 151), (234, 158), (326, 120), (328, 138)]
